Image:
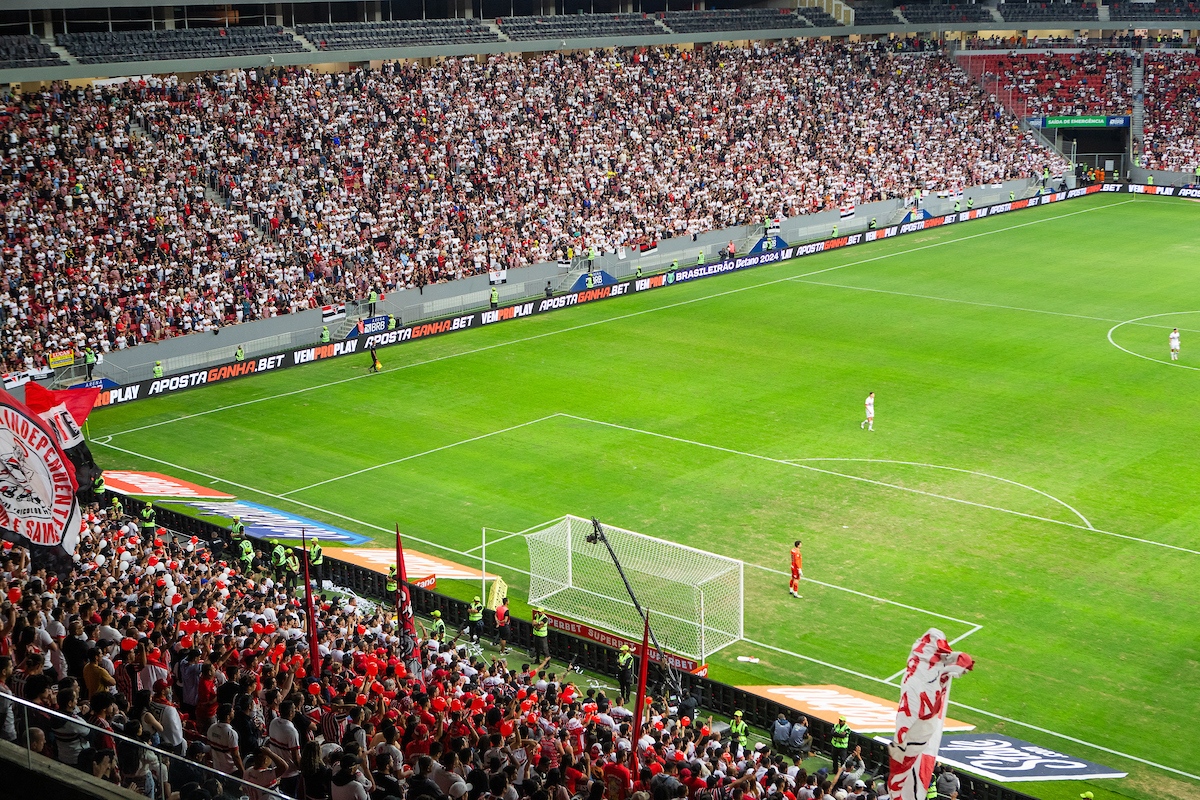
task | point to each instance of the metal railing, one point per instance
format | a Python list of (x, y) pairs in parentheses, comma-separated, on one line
[(149, 779)]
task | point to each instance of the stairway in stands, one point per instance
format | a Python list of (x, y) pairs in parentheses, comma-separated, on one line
[(1137, 124)]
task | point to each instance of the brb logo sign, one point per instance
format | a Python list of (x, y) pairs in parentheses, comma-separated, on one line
[(1003, 758)]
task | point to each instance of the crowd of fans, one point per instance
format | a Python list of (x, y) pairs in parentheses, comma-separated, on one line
[(329, 185), (1088, 82), (152, 639), (1172, 125)]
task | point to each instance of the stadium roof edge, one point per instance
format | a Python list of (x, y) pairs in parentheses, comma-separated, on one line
[(309, 57)]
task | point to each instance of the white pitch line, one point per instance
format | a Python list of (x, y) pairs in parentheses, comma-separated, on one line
[(860, 479), (846, 670), (982, 304), (401, 460), (618, 317), (1047, 495), (293, 501), (1135, 321)]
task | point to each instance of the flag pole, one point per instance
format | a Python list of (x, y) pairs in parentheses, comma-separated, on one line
[(310, 612), (643, 673), (483, 568)]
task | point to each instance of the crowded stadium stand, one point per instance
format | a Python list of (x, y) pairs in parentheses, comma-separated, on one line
[(1172, 126), (819, 17), (741, 19), (938, 13), (1088, 82), (1048, 12), (1166, 14), (27, 51), (874, 15), (397, 33), (115, 46), (297, 202), (566, 26)]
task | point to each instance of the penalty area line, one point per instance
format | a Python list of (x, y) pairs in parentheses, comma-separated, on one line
[(898, 487)]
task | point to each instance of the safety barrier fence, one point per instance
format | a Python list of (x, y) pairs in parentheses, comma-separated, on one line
[(718, 698)]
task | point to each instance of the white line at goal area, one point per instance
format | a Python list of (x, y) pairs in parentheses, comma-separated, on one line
[(694, 597)]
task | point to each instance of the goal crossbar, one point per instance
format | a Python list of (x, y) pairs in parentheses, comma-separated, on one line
[(695, 598)]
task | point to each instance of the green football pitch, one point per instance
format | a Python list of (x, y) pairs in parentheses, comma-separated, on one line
[(1030, 484)]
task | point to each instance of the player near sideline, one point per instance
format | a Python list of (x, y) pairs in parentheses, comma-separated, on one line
[(869, 422), (1174, 340), (797, 571)]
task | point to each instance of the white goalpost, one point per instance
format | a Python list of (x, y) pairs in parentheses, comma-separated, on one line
[(694, 598)]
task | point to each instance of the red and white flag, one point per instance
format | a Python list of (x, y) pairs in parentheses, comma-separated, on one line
[(924, 698)]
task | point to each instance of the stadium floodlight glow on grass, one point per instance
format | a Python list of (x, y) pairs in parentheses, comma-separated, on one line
[(695, 597)]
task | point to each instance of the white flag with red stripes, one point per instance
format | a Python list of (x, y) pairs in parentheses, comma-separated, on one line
[(924, 698)]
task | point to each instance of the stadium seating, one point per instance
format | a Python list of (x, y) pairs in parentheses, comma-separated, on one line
[(565, 26), (27, 51), (874, 15), (327, 185), (100, 48), (745, 19), (1091, 82), (397, 33), (1161, 13), (818, 17), (951, 13), (1049, 12), (1172, 126)]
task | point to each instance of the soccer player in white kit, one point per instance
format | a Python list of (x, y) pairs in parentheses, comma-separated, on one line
[(869, 422), (1174, 339)]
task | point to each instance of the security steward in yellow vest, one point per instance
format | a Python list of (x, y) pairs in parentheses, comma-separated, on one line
[(239, 354), (278, 559), (475, 619), (98, 488), (738, 731), (148, 516), (324, 334), (316, 559), (292, 562), (393, 584), (625, 670), (839, 741), (116, 510), (541, 634), (247, 555), (158, 370), (438, 627)]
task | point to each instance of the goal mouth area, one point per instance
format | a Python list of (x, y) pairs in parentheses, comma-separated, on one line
[(694, 598)]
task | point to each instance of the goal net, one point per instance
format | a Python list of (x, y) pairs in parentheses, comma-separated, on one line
[(694, 598)]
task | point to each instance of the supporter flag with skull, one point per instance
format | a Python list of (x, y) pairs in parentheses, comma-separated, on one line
[(37, 481), (924, 698)]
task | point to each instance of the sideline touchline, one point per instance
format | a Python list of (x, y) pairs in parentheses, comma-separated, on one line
[(619, 317)]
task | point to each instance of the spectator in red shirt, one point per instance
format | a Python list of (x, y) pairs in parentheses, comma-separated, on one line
[(617, 779)]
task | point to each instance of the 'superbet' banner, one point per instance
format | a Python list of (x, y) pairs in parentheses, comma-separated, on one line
[(155, 387)]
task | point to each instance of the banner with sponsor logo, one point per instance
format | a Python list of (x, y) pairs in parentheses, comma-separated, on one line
[(263, 522), (361, 344), (377, 324), (864, 713), (418, 565), (37, 480), (60, 358), (1006, 759), (584, 631), (155, 484)]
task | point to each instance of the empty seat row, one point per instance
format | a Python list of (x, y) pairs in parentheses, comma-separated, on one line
[(396, 33), (744, 19), (26, 51), (102, 47)]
